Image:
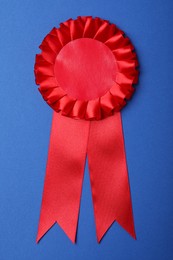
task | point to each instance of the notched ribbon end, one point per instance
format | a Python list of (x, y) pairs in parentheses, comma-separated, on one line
[(42, 233)]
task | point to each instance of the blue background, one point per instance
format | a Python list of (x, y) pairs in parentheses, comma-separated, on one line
[(25, 122)]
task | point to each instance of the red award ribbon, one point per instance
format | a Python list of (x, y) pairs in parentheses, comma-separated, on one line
[(86, 73)]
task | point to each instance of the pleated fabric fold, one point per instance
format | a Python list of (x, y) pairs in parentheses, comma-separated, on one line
[(126, 74)]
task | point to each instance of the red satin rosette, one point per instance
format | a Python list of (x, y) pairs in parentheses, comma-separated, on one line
[(86, 70), (106, 39)]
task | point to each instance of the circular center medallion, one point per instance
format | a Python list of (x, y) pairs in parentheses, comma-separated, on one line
[(85, 68)]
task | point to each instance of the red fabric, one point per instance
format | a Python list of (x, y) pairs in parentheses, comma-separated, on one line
[(108, 175), (96, 66), (70, 142), (87, 68), (86, 71), (64, 175)]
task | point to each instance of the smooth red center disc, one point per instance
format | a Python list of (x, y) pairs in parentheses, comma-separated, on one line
[(85, 68)]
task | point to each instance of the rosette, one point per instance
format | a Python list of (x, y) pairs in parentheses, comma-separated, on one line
[(86, 71), (92, 39)]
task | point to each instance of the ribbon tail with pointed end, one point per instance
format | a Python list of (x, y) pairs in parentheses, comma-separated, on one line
[(109, 176), (64, 175)]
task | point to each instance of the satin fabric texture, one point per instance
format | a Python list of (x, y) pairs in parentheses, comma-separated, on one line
[(70, 142), (86, 73)]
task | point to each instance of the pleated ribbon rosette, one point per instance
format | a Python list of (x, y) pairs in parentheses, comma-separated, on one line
[(86, 71)]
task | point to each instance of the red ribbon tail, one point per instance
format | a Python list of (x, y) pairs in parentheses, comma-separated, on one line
[(109, 176), (64, 175)]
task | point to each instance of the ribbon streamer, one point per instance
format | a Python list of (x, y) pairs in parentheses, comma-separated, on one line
[(70, 142)]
